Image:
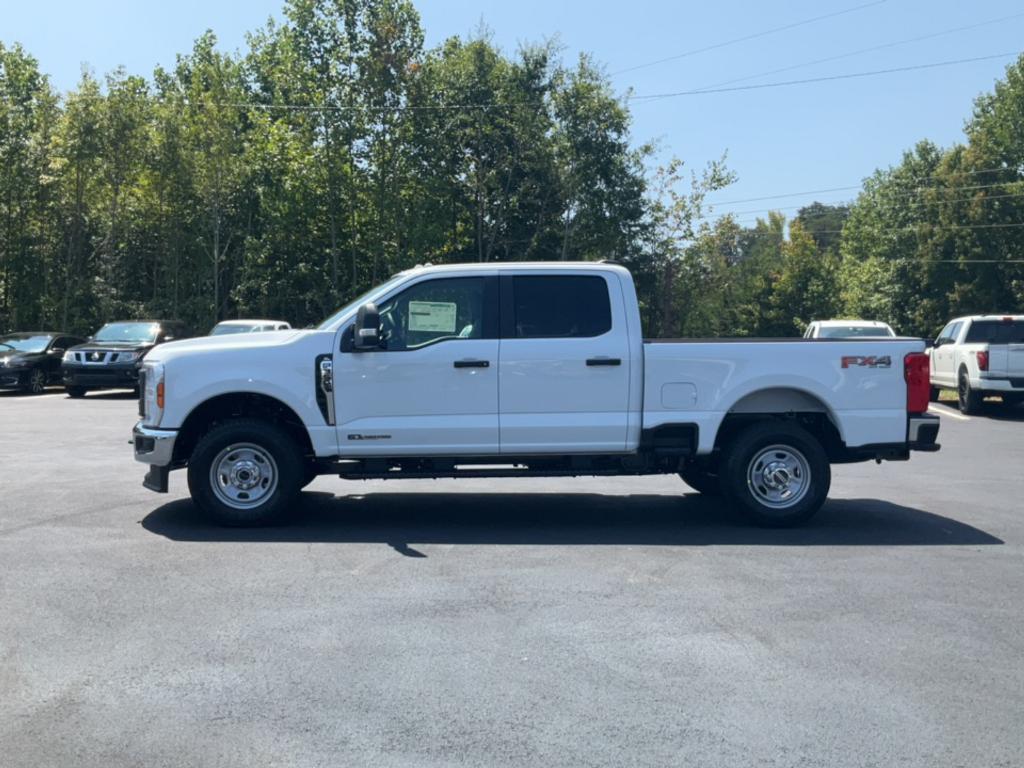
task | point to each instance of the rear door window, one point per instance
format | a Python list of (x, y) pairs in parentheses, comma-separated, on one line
[(561, 306)]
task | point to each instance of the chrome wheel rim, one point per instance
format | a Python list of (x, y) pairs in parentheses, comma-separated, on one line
[(244, 475), (37, 381), (778, 476)]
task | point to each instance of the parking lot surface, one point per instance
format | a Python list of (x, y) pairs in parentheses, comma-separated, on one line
[(533, 622)]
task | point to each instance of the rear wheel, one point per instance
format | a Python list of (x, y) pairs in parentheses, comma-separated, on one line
[(245, 472), (76, 391), (776, 474), (968, 399)]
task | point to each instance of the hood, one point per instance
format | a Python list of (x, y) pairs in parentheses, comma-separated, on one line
[(13, 356), (224, 344), (117, 346)]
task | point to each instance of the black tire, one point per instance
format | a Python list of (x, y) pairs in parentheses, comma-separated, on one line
[(255, 451), (36, 381), (798, 456), (967, 399), (701, 480), (933, 394), (76, 391), (309, 474)]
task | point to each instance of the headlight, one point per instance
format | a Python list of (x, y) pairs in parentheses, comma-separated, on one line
[(153, 394), (15, 362), (69, 356), (128, 357)]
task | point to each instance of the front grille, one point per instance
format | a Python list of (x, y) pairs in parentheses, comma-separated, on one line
[(93, 357), (142, 392)]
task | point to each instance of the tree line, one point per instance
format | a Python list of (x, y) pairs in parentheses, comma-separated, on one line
[(337, 149)]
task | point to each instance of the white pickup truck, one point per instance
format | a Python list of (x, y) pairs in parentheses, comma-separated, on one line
[(521, 370), (978, 356)]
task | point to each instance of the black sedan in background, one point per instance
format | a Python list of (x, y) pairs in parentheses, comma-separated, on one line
[(110, 359), (29, 361)]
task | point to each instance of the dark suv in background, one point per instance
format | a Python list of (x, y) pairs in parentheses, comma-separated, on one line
[(110, 359), (31, 360)]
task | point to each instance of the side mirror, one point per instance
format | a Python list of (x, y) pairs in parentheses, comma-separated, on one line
[(367, 334), (56, 351)]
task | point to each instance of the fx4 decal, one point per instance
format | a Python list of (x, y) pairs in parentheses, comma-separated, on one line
[(867, 362)]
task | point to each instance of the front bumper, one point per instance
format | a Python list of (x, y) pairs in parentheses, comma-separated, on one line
[(156, 448), (111, 376), (14, 378)]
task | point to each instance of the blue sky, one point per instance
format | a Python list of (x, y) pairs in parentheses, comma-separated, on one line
[(779, 140)]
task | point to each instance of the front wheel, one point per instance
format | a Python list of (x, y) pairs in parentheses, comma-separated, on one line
[(776, 474), (245, 472), (36, 384), (75, 392)]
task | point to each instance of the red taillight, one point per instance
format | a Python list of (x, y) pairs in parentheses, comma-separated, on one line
[(915, 371), (982, 360)]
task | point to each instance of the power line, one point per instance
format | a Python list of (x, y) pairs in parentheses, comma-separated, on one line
[(882, 47), (353, 108), (891, 230), (859, 186), (829, 78), (913, 202), (745, 38)]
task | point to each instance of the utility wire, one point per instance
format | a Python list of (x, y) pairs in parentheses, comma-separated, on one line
[(882, 47), (829, 78), (745, 38), (859, 186), (911, 203), (890, 230)]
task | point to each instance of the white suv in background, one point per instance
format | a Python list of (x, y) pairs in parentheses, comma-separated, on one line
[(849, 329), (980, 355), (228, 327)]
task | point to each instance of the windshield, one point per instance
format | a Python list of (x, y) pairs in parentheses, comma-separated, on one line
[(144, 333), (223, 329), (26, 343), (853, 331), (370, 295)]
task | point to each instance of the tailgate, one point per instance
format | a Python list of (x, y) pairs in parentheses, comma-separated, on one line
[(1005, 339)]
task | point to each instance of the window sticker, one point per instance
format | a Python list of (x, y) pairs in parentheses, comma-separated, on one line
[(432, 316)]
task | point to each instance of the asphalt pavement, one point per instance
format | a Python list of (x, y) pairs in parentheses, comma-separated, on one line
[(587, 622)]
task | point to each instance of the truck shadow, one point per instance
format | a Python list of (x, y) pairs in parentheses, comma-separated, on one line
[(402, 520), (1000, 412)]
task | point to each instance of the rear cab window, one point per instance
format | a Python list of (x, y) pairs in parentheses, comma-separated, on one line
[(995, 332)]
